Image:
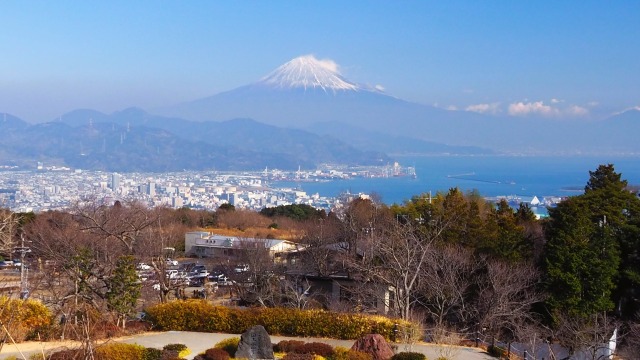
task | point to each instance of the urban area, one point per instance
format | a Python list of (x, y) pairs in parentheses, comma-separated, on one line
[(57, 188)]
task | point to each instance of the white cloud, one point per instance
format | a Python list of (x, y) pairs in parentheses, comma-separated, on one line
[(637, 108), (325, 63), (576, 110), (538, 107), (379, 88), (330, 64), (452, 108), (492, 108)]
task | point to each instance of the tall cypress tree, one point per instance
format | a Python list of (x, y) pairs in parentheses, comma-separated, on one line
[(591, 254)]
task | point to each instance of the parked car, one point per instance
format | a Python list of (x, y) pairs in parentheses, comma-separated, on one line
[(143, 266), (197, 281), (6, 264), (197, 270), (171, 262)]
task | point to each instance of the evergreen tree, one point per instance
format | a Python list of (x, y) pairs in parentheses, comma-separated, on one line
[(503, 238), (581, 261), (592, 250), (124, 288)]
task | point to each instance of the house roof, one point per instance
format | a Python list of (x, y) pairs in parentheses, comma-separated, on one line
[(224, 241)]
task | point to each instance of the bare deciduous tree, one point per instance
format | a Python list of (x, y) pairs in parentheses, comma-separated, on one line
[(120, 223), (587, 337), (506, 294), (447, 281), (8, 227), (154, 245), (255, 273), (394, 259)]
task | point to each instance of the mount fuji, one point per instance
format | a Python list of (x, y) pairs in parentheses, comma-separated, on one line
[(307, 72), (311, 94), (306, 92)]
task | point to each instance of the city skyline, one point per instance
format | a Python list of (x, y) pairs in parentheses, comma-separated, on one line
[(557, 60)]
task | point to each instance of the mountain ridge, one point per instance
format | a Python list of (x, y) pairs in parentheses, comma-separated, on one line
[(133, 140), (304, 107)]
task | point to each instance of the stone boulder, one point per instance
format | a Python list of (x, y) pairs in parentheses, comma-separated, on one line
[(374, 344), (255, 343)]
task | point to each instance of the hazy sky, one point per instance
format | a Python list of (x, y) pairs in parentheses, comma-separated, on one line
[(555, 58)]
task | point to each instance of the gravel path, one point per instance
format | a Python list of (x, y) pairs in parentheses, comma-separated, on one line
[(199, 342)]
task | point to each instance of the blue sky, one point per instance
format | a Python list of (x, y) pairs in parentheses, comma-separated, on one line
[(551, 58)]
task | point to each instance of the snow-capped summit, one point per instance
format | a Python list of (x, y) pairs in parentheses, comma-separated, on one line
[(309, 73)]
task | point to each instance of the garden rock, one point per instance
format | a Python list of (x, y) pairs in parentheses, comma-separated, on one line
[(255, 343), (374, 344)]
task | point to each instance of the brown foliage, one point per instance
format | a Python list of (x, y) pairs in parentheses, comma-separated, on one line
[(216, 354), (295, 356), (315, 348), (287, 345)]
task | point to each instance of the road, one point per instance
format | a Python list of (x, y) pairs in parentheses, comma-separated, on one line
[(199, 342)]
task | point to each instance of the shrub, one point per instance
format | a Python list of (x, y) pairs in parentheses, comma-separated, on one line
[(408, 355), (152, 354), (65, 355), (342, 353), (198, 315), (170, 355), (287, 346), (315, 348), (296, 356), (495, 351), (358, 355), (216, 354), (181, 349), (229, 345), (24, 317), (119, 351)]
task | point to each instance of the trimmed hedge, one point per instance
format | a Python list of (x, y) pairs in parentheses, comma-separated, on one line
[(342, 353), (201, 316), (119, 351), (409, 355), (315, 348), (229, 345), (181, 350), (286, 346), (216, 354)]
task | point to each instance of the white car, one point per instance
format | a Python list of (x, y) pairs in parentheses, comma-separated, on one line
[(172, 274), (143, 266), (171, 262)]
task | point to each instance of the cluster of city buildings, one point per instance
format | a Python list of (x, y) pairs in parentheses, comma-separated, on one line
[(61, 188)]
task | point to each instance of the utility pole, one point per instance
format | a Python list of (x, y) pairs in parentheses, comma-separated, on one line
[(24, 278)]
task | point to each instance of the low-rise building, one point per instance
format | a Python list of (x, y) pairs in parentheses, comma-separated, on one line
[(206, 244)]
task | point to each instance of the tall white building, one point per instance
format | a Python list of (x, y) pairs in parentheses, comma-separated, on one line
[(115, 181)]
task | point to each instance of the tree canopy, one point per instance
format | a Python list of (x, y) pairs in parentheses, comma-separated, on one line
[(591, 255)]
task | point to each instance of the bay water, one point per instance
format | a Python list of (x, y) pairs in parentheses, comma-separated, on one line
[(491, 176)]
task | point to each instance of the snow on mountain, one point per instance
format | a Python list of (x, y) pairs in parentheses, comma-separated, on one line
[(308, 72), (306, 92)]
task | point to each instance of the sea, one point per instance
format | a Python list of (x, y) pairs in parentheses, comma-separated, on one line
[(491, 176)]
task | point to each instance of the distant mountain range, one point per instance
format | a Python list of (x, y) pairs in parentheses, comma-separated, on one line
[(310, 94), (133, 140), (303, 114)]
